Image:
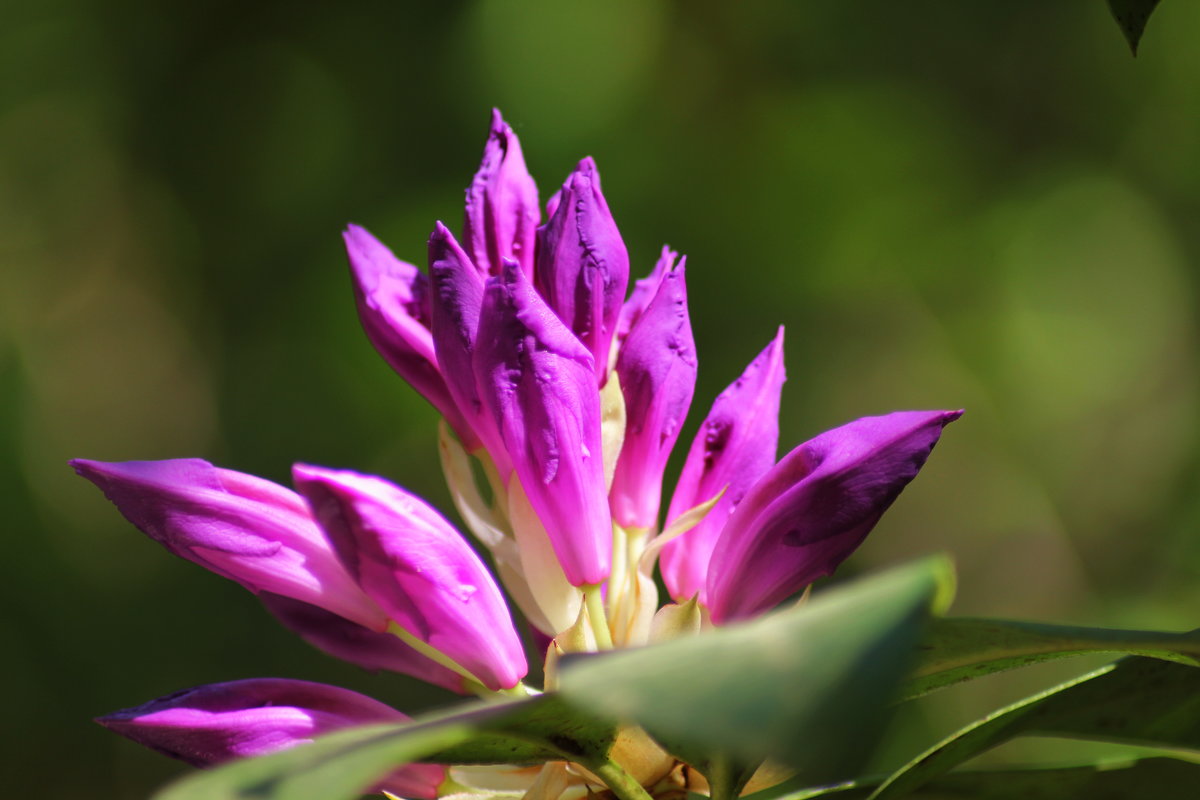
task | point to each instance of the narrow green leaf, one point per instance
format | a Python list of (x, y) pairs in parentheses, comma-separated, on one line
[(1131, 17), (808, 687), (956, 650), (1146, 777), (343, 764), (1134, 701)]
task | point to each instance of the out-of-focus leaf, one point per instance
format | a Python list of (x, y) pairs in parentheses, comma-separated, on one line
[(956, 650), (1135, 701), (1106, 780), (808, 687), (1132, 16), (343, 764)]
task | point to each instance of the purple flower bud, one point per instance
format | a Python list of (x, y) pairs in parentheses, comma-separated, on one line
[(643, 292), (540, 384), (219, 722), (243, 528), (733, 448), (502, 212), (657, 370), (813, 508), (393, 301), (351, 642), (419, 569), (582, 264), (457, 295)]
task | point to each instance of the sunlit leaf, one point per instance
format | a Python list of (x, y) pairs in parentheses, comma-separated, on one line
[(1134, 701), (956, 650), (808, 687), (1132, 16)]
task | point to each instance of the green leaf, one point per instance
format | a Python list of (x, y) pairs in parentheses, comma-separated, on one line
[(808, 687), (1134, 701), (956, 650), (1131, 17), (343, 764), (1146, 777)]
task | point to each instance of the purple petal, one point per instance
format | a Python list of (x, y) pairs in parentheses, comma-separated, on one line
[(657, 370), (457, 294), (219, 722), (733, 448), (243, 528), (419, 569), (552, 203), (540, 384), (582, 264), (814, 507), (393, 300), (643, 292), (351, 642), (502, 211)]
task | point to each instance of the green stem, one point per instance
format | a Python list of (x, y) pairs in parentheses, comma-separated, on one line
[(597, 617), (433, 654), (621, 782)]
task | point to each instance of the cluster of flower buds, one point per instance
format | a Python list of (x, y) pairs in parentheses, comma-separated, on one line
[(563, 395)]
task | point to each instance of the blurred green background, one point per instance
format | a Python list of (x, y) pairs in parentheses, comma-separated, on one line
[(979, 205)]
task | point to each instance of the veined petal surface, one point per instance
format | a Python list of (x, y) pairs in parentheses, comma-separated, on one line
[(813, 508), (244, 528), (733, 448), (502, 212), (657, 370), (412, 562), (539, 382)]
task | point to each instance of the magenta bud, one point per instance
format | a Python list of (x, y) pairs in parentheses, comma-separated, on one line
[(733, 448), (393, 299), (243, 528), (540, 384), (457, 295), (415, 565), (220, 722), (657, 371), (582, 264), (813, 508), (643, 292), (502, 211)]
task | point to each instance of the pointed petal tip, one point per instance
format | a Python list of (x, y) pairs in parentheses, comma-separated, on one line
[(440, 233), (586, 166)]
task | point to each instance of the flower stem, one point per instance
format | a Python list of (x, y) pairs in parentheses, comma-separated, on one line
[(621, 782), (433, 654), (597, 617)]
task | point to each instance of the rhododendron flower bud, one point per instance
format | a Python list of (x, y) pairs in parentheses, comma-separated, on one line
[(657, 371), (393, 299), (457, 295), (212, 724), (813, 508), (502, 211), (419, 569), (733, 448), (349, 641), (643, 292), (582, 264), (241, 527), (540, 384)]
